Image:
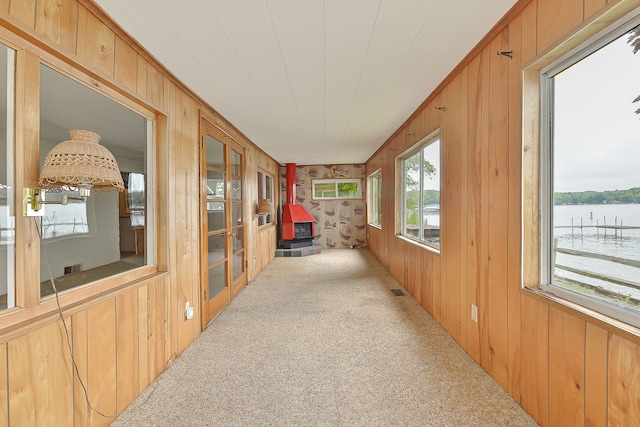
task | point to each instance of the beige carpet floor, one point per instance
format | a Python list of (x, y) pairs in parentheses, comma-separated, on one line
[(323, 341)]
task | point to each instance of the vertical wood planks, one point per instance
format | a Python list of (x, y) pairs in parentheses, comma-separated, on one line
[(156, 328), (483, 290), (474, 201), (595, 376), (143, 338), (535, 359), (80, 404), (566, 369), (514, 229), (498, 201), (452, 188), (102, 356), (126, 65), (624, 382), (24, 11), (127, 352), (187, 216), (99, 44), (465, 308), (4, 395), (556, 19), (57, 21), (37, 358), (155, 86)]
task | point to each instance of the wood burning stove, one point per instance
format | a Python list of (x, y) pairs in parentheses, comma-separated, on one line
[(297, 223)]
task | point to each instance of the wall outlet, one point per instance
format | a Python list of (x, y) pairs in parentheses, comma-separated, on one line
[(474, 313), (188, 311)]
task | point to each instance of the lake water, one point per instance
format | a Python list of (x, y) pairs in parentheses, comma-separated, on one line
[(621, 244)]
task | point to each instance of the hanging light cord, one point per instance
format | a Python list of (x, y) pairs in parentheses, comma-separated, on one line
[(66, 330)]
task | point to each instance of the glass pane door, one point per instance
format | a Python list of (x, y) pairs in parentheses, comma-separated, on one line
[(216, 208), (238, 220)]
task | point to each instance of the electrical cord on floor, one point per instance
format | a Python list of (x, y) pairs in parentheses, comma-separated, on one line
[(66, 330)]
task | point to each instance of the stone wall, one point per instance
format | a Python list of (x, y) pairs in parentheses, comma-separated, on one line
[(339, 223)]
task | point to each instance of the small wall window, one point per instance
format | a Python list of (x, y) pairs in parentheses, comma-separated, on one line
[(336, 189), (265, 191), (420, 195), (374, 198), (590, 192)]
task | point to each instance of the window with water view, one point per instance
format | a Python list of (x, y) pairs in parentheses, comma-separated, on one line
[(593, 230), (420, 209)]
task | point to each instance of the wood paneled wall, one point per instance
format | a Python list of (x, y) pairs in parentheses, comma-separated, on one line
[(564, 367), (125, 335)]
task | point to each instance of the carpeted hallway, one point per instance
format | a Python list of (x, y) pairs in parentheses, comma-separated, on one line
[(322, 341)]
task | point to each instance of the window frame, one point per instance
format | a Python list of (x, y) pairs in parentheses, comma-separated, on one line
[(418, 147), (537, 234), (11, 273), (374, 200), (267, 219), (336, 182)]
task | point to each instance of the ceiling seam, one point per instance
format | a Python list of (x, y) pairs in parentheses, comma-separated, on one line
[(286, 70), (400, 66), (353, 103), (244, 66)]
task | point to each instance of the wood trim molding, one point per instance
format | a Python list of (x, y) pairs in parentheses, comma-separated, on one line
[(609, 324)]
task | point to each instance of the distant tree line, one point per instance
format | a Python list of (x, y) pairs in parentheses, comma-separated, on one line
[(632, 195)]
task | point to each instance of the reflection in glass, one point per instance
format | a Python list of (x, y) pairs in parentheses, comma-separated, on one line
[(265, 191), (236, 163), (237, 240), (216, 247), (215, 216), (7, 187), (136, 197), (237, 214), (64, 220), (215, 185), (215, 153), (216, 280), (236, 188), (110, 233), (238, 265)]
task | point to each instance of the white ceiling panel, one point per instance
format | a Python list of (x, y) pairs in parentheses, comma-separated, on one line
[(310, 81)]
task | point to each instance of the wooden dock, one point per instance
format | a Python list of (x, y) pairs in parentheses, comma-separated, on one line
[(616, 227)]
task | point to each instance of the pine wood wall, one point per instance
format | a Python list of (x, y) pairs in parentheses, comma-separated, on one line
[(124, 334), (564, 367)]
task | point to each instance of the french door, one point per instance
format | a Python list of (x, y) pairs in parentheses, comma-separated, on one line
[(223, 230)]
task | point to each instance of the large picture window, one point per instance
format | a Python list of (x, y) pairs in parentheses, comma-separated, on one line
[(590, 174), (420, 195), (374, 198), (109, 233)]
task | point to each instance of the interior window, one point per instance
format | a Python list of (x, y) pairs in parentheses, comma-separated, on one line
[(265, 191), (420, 209), (110, 232), (591, 177), (374, 192), (7, 195)]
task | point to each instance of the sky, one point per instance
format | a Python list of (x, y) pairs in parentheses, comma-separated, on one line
[(597, 133)]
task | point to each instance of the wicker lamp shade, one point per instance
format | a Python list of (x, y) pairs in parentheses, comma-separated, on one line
[(265, 207), (81, 162)]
